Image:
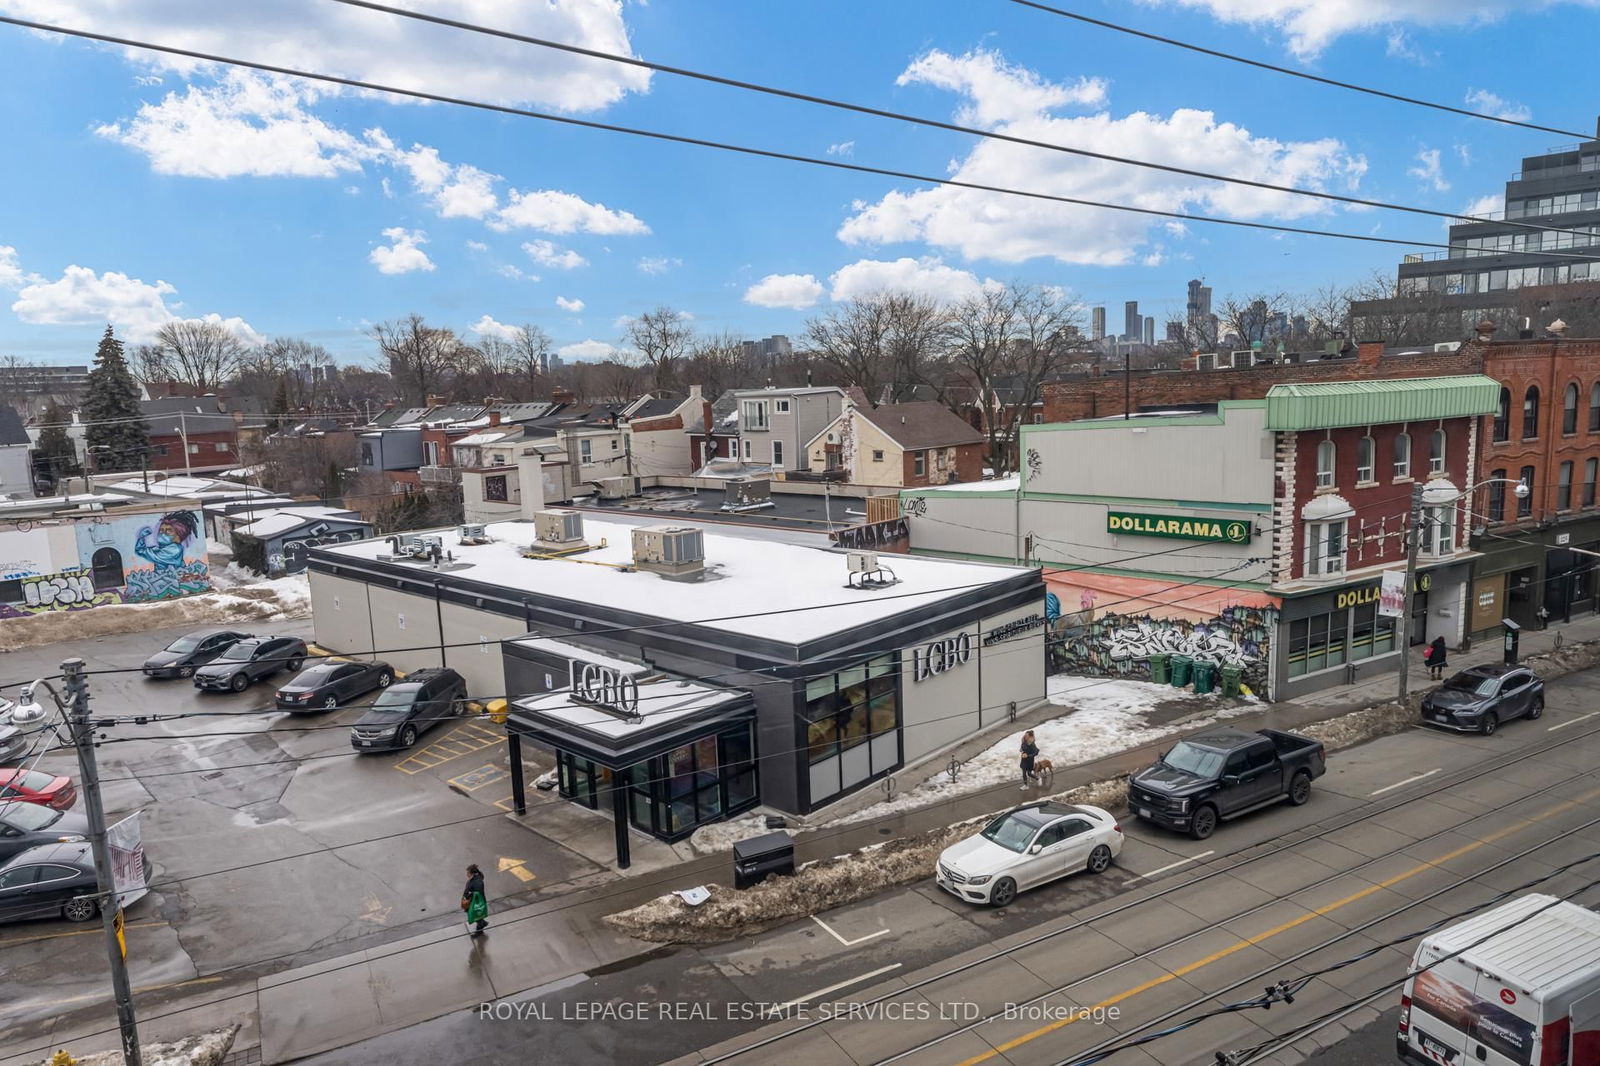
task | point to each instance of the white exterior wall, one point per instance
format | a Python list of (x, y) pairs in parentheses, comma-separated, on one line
[(659, 451), (1012, 670), (474, 508), (941, 709), (472, 647)]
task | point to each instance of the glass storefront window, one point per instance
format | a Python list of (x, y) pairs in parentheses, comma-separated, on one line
[(845, 712), (1325, 641)]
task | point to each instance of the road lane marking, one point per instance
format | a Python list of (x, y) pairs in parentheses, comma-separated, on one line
[(1320, 912), (1574, 721), (76, 932), (842, 940), (842, 984), (516, 869), (1175, 865), (1407, 781)]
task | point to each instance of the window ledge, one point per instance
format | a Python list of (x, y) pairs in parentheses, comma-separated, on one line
[(1366, 484), (1326, 490), (1406, 480)]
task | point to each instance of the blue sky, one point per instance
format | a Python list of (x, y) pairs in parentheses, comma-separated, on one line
[(137, 190)]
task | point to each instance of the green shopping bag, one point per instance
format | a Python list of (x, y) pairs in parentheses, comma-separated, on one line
[(477, 908)]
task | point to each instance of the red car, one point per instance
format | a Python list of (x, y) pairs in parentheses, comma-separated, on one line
[(34, 786)]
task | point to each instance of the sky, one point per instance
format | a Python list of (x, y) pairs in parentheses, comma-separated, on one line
[(138, 189)]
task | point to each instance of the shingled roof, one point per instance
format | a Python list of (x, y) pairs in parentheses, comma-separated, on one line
[(919, 425)]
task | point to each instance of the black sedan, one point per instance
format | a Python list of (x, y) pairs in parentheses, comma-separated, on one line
[(180, 658), (1478, 699), (242, 664), (55, 880), (329, 685), (28, 825)]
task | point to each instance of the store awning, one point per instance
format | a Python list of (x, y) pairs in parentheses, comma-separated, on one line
[(671, 712)]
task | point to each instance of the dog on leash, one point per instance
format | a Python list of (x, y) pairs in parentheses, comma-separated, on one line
[(1042, 767)]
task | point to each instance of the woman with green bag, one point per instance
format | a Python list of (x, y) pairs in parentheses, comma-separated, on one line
[(474, 902)]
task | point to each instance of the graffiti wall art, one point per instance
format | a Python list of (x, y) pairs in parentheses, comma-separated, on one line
[(125, 559)]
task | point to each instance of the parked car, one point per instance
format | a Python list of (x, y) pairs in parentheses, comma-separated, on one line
[(1479, 698), (1027, 847), (407, 709), (327, 685), (13, 742), (50, 880), (29, 825), (36, 786), (182, 656), (1223, 774), (245, 662)]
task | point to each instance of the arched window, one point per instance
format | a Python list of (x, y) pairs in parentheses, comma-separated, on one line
[(1530, 413), (1366, 462), (1594, 408), (1569, 410), (1436, 445), (1325, 457), (1502, 416), (106, 568), (1402, 455)]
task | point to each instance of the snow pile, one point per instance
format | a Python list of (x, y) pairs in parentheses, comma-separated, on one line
[(722, 836), (207, 1049)]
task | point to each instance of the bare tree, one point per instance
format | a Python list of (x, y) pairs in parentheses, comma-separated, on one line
[(662, 338), (880, 342), (198, 352), (148, 364), (422, 359), (716, 364)]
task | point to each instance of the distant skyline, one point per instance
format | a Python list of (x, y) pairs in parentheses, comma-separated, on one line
[(143, 190)]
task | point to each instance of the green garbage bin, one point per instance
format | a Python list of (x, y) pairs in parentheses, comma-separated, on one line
[(1231, 679), (1205, 677), (1161, 668), (1180, 671)]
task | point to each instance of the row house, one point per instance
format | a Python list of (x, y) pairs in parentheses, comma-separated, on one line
[(898, 445)]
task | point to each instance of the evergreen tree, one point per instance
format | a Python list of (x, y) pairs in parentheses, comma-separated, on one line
[(117, 435), (54, 457)]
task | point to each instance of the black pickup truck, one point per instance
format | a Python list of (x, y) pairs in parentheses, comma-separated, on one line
[(1222, 774)]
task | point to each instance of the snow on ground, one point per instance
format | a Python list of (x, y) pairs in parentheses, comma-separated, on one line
[(722, 836)]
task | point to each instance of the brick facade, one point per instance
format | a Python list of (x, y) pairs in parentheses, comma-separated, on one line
[(966, 459), (1550, 367)]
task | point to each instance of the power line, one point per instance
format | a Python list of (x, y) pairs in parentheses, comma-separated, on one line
[(764, 153), (1291, 72), (918, 120)]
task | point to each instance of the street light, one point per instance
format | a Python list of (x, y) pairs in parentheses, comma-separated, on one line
[(1419, 496)]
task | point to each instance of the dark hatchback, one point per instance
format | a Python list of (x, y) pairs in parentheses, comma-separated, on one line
[(242, 664), (330, 685), (409, 708), (182, 656), (30, 825), (1478, 699), (52, 881)]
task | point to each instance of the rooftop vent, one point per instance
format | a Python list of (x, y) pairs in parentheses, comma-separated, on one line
[(866, 572), (747, 494), (558, 529), (473, 533), (676, 552)]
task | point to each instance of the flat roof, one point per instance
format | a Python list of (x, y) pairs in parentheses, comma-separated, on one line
[(662, 700), (762, 588)]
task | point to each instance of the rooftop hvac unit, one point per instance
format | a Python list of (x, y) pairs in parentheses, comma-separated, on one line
[(672, 551), (747, 494), (616, 488), (1247, 357), (863, 562), (558, 527), (1205, 361), (473, 533)]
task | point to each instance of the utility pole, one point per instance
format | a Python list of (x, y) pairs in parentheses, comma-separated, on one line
[(183, 435), (82, 728), (1413, 545)]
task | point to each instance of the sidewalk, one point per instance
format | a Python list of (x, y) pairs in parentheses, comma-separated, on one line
[(354, 996)]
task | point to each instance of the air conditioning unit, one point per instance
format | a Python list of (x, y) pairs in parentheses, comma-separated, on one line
[(1447, 346), (616, 488), (473, 533), (747, 494), (1247, 357), (558, 528), (862, 562), (1205, 361), (672, 551)]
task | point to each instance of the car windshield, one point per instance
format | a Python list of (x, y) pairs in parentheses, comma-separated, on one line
[(237, 653), (29, 817), (1202, 762), (395, 699), (1476, 684), (1010, 831), (184, 644)]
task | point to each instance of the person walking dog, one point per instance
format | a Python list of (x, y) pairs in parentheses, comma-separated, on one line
[(1438, 658), (1030, 751), (474, 902)]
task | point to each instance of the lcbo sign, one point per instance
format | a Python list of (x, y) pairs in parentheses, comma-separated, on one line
[(940, 656), (604, 687)]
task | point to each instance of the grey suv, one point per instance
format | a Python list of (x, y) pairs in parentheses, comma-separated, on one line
[(407, 709), (245, 662)]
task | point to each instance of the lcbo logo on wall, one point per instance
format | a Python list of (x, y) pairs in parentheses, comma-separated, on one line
[(939, 656), (603, 687)]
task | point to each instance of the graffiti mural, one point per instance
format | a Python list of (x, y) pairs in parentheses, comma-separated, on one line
[(107, 559), (176, 553), (892, 535), (71, 590)]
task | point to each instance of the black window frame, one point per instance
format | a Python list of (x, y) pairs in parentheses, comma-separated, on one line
[(1530, 413), (1569, 409), (1525, 503)]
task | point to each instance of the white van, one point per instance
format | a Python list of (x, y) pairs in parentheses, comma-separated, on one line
[(1529, 996)]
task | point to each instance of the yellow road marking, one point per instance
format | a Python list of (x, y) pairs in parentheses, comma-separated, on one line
[(96, 931), (508, 804), (141, 989), (1322, 911), (516, 869)]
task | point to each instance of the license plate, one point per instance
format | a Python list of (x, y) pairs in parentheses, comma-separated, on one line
[(1144, 812), (365, 743)]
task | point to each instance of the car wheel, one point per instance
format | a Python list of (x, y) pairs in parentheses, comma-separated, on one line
[(294, 665), (239, 682), (1491, 722), (185, 671), (1204, 822), (1537, 710), (1300, 788), (80, 909), (408, 736), (1005, 890), (1099, 859), (384, 678), (331, 703)]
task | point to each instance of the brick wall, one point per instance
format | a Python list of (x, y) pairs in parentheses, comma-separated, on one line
[(1550, 367)]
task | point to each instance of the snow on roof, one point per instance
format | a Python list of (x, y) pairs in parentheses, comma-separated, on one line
[(1004, 484), (230, 506), (80, 498), (284, 519), (764, 588), (665, 699), (189, 486), (491, 436)]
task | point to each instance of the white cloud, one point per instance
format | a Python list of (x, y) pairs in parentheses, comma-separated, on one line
[(589, 350), (571, 306), (404, 255), (925, 277), (997, 91), (391, 51), (1428, 172), (1399, 45), (11, 275), (1485, 205), (1488, 103), (794, 291), (488, 327), (658, 264), (563, 212), (233, 324), (515, 273), (477, 246), (80, 297), (842, 148), (1012, 229), (551, 255), (1311, 25), (457, 191)]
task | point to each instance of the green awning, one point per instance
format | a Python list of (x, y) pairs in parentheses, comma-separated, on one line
[(1329, 405)]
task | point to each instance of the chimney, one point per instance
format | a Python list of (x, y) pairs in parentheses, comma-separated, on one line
[(1556, 330), (494, 418), (563, 396), (435, 401), (1369, 353), (389, 406), (1486, 330)]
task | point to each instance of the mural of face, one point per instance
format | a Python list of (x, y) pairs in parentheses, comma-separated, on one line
[(171, 534)]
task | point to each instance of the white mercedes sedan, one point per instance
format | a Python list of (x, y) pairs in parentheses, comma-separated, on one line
[(1027, 847)]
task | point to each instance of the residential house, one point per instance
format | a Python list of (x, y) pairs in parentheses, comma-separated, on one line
[(16, 456), (776, 425), (276, 541), (719, 437), (898, 445), (199, 434), (660, 434)]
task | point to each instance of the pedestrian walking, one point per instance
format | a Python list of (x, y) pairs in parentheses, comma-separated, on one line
[(474, 902), (1030, 751), (1438, 658)]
